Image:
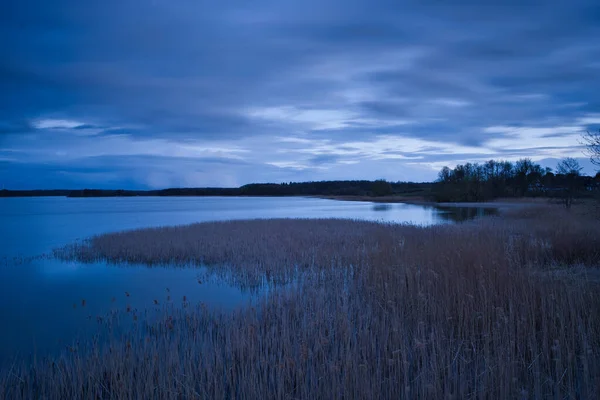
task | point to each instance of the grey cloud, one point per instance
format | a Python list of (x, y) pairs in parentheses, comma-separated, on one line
[(87, 126), (152, 70), (16, 126), (322, 159), (385, 108)]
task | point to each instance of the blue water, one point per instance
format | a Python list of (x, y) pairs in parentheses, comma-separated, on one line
[(45, 304)]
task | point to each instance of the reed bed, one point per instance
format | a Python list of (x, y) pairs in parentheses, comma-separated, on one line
[(376, 311)]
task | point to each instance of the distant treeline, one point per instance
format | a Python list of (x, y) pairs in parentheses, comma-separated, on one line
[(468, 182), (494, 179), (322, 188)]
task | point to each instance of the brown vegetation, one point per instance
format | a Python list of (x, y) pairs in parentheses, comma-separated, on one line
[(375, 311)]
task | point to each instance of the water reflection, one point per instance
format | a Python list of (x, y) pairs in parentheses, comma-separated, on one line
[(48, 303), (461, 214), (441, 213), (382, 206)]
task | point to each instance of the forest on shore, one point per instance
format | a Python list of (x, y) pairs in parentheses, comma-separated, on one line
[(465, 182)]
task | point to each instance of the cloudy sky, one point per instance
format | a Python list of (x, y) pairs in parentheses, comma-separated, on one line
[(157, 93)]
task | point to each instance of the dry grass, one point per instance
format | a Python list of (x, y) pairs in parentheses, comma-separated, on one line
[(376, 311)]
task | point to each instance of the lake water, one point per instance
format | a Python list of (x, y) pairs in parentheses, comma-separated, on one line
[(46, 304)]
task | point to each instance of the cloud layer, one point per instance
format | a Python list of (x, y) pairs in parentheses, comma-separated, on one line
[(197, 93)]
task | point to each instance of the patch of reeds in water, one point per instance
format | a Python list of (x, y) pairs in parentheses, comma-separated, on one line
[(381, 311)]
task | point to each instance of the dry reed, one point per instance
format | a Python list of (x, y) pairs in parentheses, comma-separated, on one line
[(376, 311)]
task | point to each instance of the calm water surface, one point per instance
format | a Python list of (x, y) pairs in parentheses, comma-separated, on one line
[(45, 304)]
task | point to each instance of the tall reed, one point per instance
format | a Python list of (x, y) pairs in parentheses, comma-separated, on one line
[(375, 311)]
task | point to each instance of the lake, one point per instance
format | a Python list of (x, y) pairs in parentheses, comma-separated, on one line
[(46, 303)]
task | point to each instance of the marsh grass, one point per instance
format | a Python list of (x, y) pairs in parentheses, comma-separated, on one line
[(474, 310)]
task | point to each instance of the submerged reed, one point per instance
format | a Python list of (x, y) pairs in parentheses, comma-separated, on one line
[(376, 311)]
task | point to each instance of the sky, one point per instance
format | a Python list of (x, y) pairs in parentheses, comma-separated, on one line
[(185, 93)]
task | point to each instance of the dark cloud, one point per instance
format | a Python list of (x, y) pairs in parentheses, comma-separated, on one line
[(241, 74), (324, 159), (87, 126), (15, 126), (385, 108)]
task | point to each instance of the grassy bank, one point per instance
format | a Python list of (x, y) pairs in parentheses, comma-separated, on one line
[(484, 309)]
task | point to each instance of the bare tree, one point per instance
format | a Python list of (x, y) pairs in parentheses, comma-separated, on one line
[(568, 172), (592, 141), (569, 166), (445, 175)]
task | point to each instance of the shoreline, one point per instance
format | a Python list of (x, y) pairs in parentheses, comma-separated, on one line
[(497, 203), (382, 199)]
